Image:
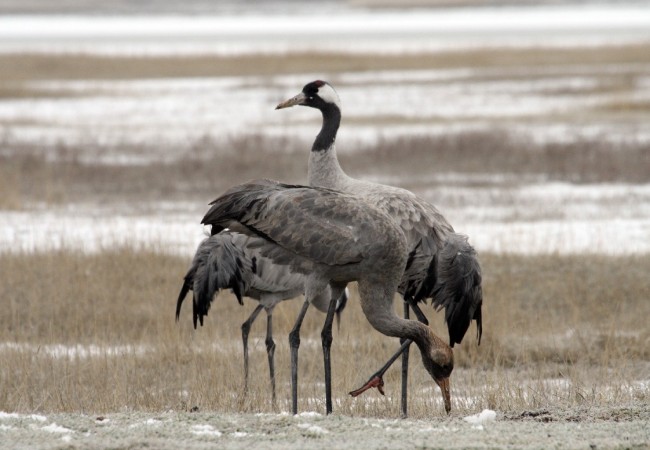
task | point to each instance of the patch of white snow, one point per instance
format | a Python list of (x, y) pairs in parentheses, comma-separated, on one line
[(313, 428), (54, 428), (487, 415), (205, 430), (308, 414)]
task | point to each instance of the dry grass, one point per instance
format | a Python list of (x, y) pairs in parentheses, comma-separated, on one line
[(25, 67), (560, 331), (205, 168), (500, 152), (209, 167)]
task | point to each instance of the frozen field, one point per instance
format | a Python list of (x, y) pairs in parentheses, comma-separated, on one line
[(530, 430)]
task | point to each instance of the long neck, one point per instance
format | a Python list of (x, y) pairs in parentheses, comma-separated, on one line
[(378, 309), (324, 169), (331, 123)]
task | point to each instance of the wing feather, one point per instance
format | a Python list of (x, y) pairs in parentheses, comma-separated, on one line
[(301, 225)]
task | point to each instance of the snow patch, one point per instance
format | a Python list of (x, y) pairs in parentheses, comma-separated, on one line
[(205, 430), (149, 422), (308, 414), (71, 351), (11, 416), (313, 428), (54, 428), (485, 416)]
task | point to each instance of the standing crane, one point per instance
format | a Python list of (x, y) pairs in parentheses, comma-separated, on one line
[(229, 260), (441, 265), (332, 238)]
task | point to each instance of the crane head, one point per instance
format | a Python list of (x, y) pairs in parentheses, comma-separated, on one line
[(317, 94), (438, 360)]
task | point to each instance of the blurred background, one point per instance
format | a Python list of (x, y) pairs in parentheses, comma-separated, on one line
[(526, 123)]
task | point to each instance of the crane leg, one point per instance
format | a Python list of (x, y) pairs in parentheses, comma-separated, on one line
[(270, 351), (245, 329), (405, 368), (326, 338), (418, 312), (294, 343), (376, 380)]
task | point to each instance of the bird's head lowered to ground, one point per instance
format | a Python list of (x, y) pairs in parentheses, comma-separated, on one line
[(438, 360)]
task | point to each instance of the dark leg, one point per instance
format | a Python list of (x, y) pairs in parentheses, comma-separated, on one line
[(405, 368), (326, 338), (418, 312), (270, 351), (294, 343), (245, 329)]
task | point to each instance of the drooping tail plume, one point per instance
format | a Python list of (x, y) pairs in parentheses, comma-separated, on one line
[(455, 285), (217, 264)]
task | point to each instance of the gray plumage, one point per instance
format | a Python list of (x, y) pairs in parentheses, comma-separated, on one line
[(453, 283), (297, 220), (333, 238), (219, 263), (230, 260)]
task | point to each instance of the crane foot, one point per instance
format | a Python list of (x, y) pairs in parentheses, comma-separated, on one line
[(374, 381)]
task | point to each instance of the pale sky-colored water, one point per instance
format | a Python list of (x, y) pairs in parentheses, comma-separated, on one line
[(328, 28), (531, 219), (178, 112)]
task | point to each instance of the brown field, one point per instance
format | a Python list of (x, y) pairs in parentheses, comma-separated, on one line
[(559, 332), (28, 175), (23, 67)]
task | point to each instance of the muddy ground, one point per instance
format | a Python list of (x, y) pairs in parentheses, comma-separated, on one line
[(579, 428)]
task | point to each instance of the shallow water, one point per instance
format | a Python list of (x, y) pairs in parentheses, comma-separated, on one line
[(536, 218), (332, 26), (540, 104)]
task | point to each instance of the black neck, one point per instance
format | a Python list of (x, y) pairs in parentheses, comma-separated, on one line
[(331, 122)]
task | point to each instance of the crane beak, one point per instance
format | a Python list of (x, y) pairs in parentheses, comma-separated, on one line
[(443, 383), (293, 101)]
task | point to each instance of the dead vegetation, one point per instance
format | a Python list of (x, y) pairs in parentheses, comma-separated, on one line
[(559, 331), (208, 166), (42, 66)]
